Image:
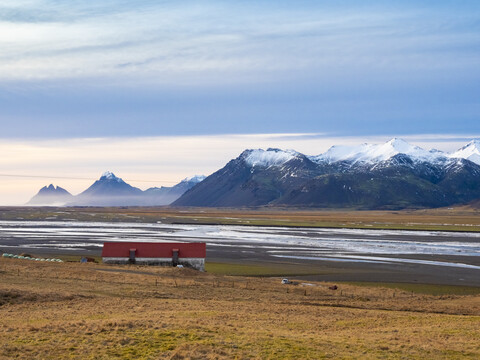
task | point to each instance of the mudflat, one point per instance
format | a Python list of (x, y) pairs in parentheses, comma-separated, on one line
[(367, 248)]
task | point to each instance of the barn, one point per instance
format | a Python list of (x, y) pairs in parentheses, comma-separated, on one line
[(163, 254)]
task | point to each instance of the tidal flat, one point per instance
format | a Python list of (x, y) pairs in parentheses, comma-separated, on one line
[(315, 253)]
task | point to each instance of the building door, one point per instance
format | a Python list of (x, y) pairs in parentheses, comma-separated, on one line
[(175, 257), (131, 258)]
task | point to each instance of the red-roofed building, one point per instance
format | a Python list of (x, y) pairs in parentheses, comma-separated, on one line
[(148, 253)]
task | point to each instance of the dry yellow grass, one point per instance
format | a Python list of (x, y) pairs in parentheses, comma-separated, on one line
[(94, 311)]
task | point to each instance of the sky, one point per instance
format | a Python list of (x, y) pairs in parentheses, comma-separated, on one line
[(160, 90)]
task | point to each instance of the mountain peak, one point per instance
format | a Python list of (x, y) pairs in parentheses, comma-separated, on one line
[(51, 195), (372, 153), (396, 140), (194, 178), (269, 157), (51, 189), (399, 144), (470, 151), (392, 174), (108, 175), (474, 145), (111, 190)]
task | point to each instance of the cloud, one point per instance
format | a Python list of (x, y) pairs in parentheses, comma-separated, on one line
[(170, 40), (83, 69)]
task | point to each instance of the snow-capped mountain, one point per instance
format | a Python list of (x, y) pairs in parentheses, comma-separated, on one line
[(269, 157), (373, 153), (395, 174), (166, 195), (256, 177), (110, 190), (51, 195), (110, 176), (195, 179), (471, 152)]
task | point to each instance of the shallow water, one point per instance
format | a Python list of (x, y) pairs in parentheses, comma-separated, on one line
[(341, 245)]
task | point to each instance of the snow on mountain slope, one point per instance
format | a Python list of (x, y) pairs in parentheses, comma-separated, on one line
[(471, 152), (108, 175), (194, 178), (269, 157), (364, 153), (391, 175), (371, 153)]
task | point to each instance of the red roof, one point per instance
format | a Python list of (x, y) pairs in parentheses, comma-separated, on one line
[(154, 250)]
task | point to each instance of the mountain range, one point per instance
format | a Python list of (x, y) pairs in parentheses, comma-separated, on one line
[(392, 175), (111, 190)]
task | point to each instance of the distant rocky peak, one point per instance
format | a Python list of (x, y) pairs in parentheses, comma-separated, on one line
[(50, 195), (51, 189), (108, 175)]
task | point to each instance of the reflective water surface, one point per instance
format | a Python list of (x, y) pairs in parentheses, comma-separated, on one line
[(450, 249)]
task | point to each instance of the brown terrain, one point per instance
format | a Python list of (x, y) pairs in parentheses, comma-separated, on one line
[(234, 310), (94, 311)]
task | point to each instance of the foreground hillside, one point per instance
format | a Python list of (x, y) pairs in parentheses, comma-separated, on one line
[(94, 311)]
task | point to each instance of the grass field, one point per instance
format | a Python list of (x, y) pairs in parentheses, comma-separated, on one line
[(446, 219), (95, 311), (425, 288), (261, 270)]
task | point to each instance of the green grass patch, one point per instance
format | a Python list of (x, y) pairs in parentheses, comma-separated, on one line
[(258, 270), (67, 257), (323, 224), (428, 289), (316, 218)]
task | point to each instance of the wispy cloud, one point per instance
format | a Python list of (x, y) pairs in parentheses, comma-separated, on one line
[(135, 68), (50, 39)]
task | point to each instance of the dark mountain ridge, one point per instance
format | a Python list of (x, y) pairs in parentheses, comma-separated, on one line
[(393, 175)]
